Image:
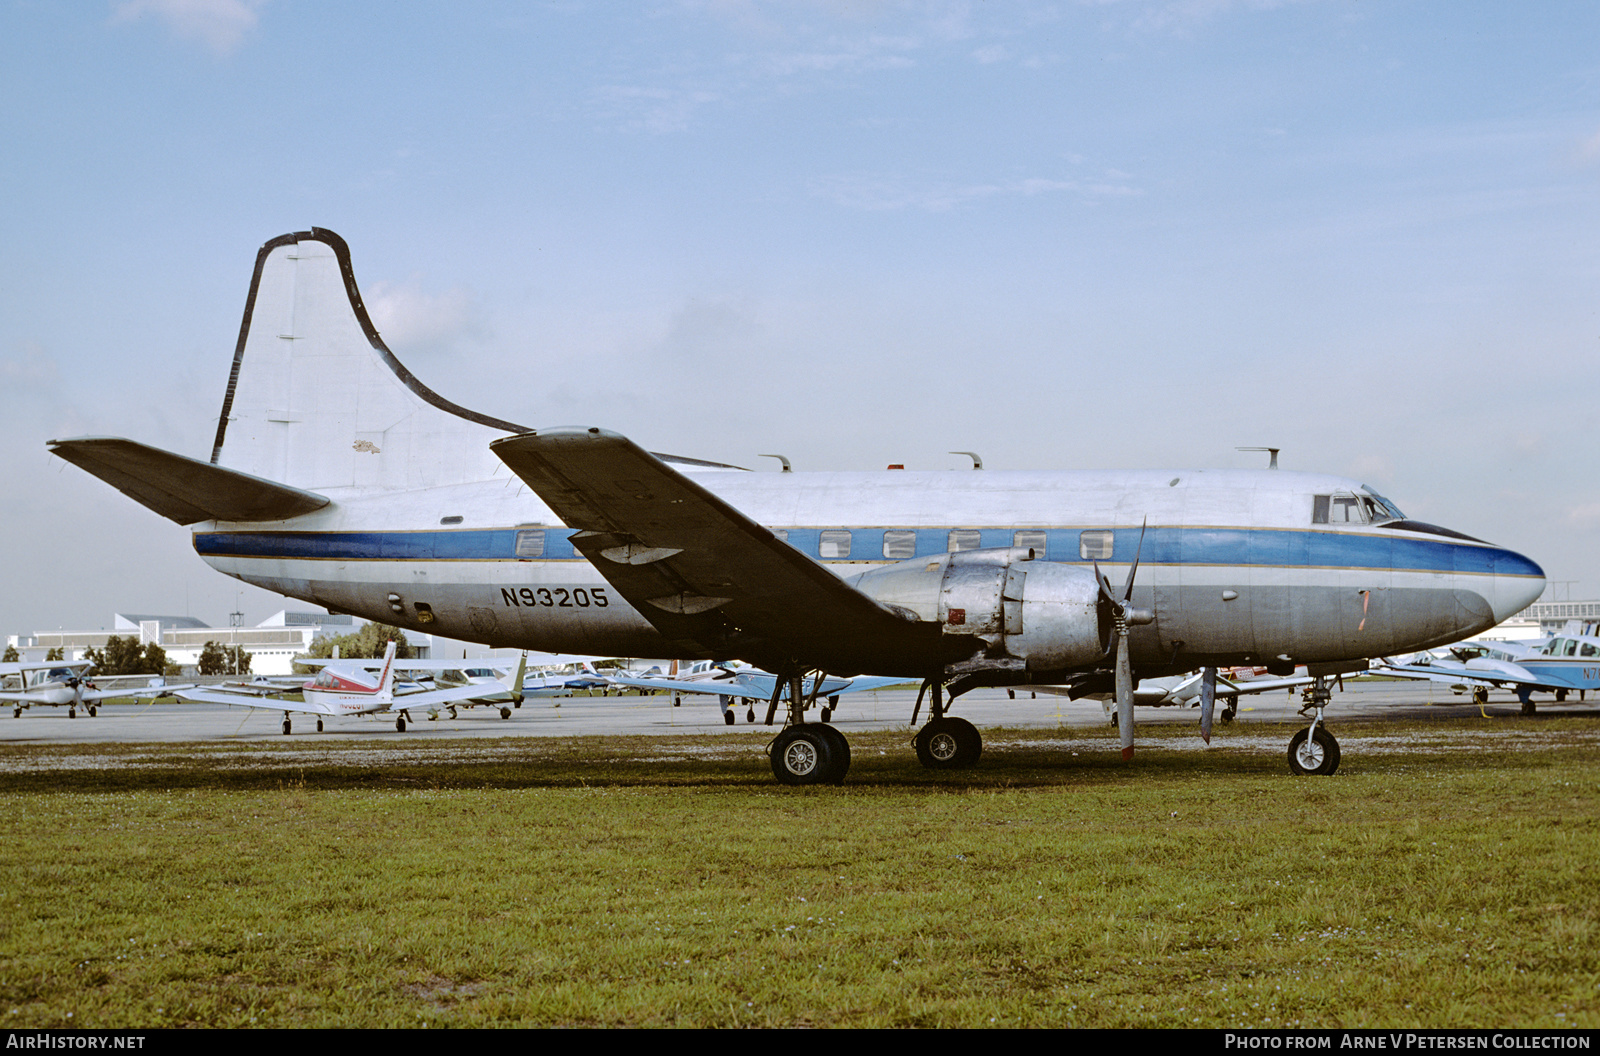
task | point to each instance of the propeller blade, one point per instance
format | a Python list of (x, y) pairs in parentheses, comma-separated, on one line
[(1127, 591), (1208, 701), (1124, 696)]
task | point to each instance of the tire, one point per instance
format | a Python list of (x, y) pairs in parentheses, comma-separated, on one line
[(1318, 754), (505, 713), (841, 752), (319, 725), (1528, 706), (400, 724), (727, 718), (286, 727), (948, 744), (802, 755)]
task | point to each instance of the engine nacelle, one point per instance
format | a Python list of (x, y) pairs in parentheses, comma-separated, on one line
[(1048, 616)]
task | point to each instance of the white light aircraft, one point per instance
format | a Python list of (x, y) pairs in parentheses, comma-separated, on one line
[(728, 683), (67, 684), (339, 478), (347, 687)]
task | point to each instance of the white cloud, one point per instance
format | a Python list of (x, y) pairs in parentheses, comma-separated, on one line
[(218, 24), (413, 320)]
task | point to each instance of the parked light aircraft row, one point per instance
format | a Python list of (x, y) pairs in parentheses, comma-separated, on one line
[(66, 684), (349, 687), (339, 478)]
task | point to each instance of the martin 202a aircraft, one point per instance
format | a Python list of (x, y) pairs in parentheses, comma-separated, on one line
[(338, 477)]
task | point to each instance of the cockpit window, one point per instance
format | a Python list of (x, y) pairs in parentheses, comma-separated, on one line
[(1338, 508), (1381, 509)]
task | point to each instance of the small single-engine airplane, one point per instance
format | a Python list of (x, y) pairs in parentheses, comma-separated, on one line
[(1181, 691), (338, 477), (720, 679), (67, 684), (347, 687), (1568, 662)]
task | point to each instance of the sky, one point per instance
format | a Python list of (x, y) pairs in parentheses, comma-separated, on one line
[(1074, 234)]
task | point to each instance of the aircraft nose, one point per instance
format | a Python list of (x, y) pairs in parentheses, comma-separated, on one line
[(1518, 582)]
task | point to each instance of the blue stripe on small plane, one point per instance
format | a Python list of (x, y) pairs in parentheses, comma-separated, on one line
[(1163, 546)]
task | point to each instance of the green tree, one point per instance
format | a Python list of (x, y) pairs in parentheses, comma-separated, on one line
[(11, 656), (125, 656), (372, 640), (54, 654), (218, 659)]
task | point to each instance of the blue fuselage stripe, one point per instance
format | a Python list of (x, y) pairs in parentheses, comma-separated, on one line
[(1231, 546)]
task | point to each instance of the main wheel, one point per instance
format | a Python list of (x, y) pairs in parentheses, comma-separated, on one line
[(286, 725), (803, 755), (400, 724), (93, 711), (1318, 754), (505, 713), (947, 743), (727, 718), (750, 716), (1528, 706), (841, 750), (319, 725)]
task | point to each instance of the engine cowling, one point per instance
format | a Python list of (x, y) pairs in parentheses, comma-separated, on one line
[(1034, 614)]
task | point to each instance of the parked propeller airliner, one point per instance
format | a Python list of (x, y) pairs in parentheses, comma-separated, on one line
[(337, 477)]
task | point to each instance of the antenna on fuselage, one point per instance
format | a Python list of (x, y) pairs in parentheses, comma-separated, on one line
[(977, 463), (1273, 450), (780, 458)]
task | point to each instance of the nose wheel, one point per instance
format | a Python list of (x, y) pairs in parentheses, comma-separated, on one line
[(1313, 751), (948, 743)]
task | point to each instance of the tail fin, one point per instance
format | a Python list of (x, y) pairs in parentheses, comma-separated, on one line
[(317, 400), (386, 680)]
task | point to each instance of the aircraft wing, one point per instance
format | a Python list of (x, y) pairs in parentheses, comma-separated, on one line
[(23, 667), (757, 685), (184, 489), (708, 577), (1457, 676), (251, 700)]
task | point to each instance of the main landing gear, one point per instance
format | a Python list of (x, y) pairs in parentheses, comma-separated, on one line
[(1314, 750), (804, 753), (944, 743)]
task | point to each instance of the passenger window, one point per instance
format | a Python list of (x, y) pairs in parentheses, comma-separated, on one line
[(1588, 650), (964, 539), (834, 543), (1095, 545), (1030, 537), (1319, 508), (530, 542), (899, 545)]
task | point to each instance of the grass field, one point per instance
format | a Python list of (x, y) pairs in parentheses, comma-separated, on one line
[(1444, 877)]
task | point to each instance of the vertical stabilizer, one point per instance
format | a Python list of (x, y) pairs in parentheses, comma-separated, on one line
[(386, 680), (316, 398)]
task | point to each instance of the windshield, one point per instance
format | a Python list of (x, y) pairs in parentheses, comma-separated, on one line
[(1381, 508)]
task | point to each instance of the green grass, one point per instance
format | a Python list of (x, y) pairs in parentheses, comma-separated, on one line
[(1435, 881)]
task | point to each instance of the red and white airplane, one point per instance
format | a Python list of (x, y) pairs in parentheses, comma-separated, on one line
[(348, 688)]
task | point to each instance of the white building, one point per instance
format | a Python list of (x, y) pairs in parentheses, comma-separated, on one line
[(272, 644)]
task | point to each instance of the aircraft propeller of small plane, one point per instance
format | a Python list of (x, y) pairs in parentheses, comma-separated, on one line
[(338, 477)]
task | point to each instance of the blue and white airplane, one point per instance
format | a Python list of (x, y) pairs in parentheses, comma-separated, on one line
[(1569, 662), (339, 478)]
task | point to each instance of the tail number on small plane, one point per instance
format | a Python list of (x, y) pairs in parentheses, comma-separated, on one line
[(555, 598)]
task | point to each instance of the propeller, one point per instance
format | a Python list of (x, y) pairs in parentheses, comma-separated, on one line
[(1124, 615), (1208, 701)]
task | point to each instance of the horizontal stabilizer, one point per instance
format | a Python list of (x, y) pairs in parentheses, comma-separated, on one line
[(184, 489)]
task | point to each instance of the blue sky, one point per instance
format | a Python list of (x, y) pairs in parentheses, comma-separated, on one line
[(1065, 235)]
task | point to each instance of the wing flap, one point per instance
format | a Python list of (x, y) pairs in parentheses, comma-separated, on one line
[(702, 572), (184, 489)]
